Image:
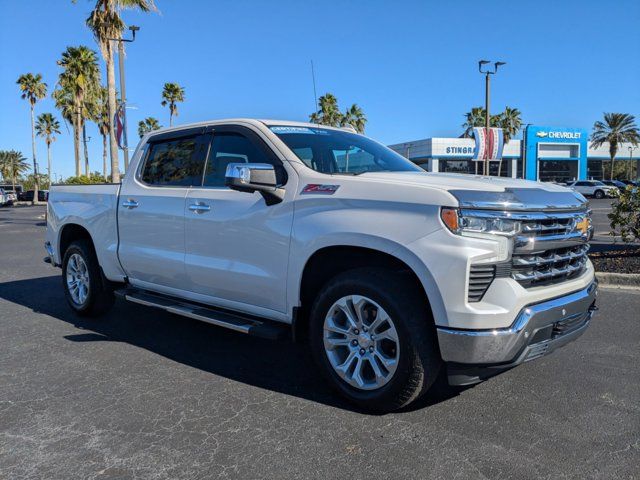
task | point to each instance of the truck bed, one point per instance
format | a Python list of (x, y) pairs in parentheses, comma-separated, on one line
[(92, 207)]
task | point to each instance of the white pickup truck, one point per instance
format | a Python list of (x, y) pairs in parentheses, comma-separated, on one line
[(389, 273)]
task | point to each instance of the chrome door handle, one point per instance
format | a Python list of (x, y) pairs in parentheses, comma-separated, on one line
[(130, 204), (199, 207)]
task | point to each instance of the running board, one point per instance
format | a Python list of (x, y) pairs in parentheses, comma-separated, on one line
[(222, 318)]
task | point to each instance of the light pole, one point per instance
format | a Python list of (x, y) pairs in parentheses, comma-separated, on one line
[(487, 92), (123, 91), (631, 149)]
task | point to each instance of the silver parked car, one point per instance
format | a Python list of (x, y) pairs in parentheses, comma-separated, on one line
[(593, 188)]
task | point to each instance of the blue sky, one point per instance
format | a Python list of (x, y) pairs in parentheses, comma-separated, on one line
[(411, 65)]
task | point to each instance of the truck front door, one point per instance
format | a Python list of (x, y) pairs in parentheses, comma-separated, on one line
[(237, 247)]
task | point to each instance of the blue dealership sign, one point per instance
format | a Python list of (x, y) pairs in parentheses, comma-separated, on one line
[(554, 144)]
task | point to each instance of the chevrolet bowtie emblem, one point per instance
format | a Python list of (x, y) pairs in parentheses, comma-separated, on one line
[(583, 226)]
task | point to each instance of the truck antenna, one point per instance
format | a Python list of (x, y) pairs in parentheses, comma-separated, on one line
[(315, 95)]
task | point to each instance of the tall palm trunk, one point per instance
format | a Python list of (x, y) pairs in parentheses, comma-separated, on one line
[(170, 117), (35, 168), (613, 149), (49, 161), (111, 90), (104, 156), (86, 151), (76, 141)]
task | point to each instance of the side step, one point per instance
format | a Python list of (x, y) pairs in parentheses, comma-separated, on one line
[(223, 318)]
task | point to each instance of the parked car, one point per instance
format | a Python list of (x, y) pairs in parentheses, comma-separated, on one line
[(388, 273), (615, 183), (592, 188), (630, 182), (4, 198), (43, 196)]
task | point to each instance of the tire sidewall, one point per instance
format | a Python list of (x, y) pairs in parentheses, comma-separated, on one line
[(598, 194), (381, 398)]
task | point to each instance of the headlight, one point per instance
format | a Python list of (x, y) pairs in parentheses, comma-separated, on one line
[(460, 222)]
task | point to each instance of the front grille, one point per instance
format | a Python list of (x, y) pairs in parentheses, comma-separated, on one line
[(550, 266), (549, 249)]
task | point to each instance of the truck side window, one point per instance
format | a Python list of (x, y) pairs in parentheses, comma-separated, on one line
[(176, 162), (231, 147)]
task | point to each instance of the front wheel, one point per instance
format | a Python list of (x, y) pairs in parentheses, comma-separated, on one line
[(85, 289), (373, 337)]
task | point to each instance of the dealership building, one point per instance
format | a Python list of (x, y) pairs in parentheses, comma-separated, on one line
[(547, 154)]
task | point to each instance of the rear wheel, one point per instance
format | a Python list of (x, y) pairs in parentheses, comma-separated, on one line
[(598, 194), (86, 290), (372, 335)]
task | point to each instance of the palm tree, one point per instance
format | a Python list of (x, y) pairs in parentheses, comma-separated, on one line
[(355, 117), (171, 94), (477, 118), (328, 114), (147, 125), (80, 78), (33, 89), (616, 128), (106, 24), (100, 116), (12, 164), (511, 122), (47, 127)]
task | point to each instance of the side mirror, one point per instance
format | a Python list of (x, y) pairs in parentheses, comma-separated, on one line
[(255, 177)]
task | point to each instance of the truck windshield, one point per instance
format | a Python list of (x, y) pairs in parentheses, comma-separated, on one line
[(341, 152)]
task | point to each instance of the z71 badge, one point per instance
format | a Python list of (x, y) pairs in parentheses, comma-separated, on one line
[(320, 188)]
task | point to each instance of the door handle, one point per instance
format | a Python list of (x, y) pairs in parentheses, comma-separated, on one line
[(130, 204), (199, 207)]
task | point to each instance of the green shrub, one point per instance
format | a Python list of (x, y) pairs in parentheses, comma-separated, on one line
[(625, 214)]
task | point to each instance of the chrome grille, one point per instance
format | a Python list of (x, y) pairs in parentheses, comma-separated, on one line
[(549, 249)]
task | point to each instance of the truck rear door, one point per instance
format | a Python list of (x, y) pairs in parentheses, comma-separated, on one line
[(151, 209)]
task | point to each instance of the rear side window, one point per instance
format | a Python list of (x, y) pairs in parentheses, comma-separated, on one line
[(177, 162), (232, 147)]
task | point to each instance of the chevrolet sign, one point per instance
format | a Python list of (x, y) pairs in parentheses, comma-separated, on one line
[(560, 135)]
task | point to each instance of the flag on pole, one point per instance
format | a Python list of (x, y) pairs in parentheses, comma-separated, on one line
[(489, 146), (119, 127)]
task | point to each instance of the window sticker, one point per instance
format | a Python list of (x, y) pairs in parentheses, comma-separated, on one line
[(287, 130)]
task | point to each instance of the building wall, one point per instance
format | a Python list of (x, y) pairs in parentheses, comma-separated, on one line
[(433, 153)]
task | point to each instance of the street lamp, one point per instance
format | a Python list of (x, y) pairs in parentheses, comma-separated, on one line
[(123, 92), (631, 149), (487, 72)]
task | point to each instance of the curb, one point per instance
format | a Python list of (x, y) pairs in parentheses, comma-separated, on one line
[(619, 280)]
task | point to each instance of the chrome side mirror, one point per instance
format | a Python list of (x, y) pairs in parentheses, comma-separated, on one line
[(255, 177)]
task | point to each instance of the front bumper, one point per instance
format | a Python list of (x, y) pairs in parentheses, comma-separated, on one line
[(538, 330)]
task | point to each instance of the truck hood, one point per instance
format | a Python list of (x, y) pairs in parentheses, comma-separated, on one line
[(476, 191)]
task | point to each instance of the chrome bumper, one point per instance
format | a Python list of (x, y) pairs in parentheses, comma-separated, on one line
[(537, 330)]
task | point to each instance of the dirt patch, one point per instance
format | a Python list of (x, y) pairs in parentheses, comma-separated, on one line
[(626, 260)]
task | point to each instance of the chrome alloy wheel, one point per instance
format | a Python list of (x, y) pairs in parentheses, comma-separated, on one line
[(361, 342), (77, 279)]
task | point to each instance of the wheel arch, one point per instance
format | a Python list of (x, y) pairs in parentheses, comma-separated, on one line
[(328, 261), (69, 233)]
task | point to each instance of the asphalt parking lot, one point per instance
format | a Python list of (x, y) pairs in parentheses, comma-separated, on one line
[(144, 394), (601, 223)]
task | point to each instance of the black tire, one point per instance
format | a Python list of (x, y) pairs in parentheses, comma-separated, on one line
[(598, 194), (419, 359), (100, 296)]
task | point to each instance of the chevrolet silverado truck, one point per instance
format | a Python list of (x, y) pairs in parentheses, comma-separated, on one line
[(391, 275)]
